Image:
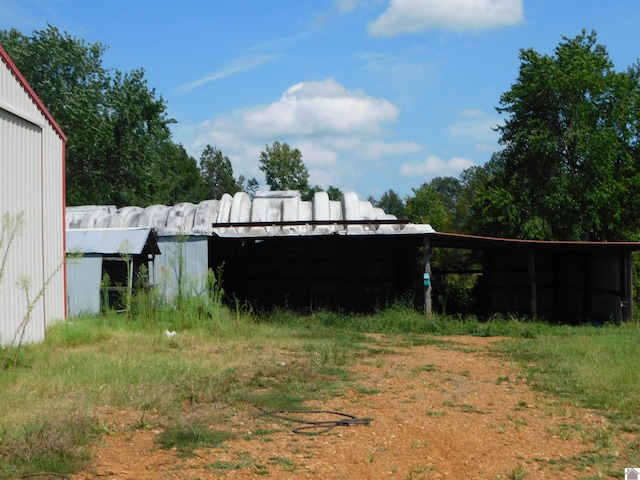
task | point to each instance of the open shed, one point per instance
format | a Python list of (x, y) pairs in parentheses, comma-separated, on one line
[(120, 254), (567, 281), (276, 250)]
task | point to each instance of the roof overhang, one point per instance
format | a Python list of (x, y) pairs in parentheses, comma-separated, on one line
[(305, 228), (112, 241), (471, 242)]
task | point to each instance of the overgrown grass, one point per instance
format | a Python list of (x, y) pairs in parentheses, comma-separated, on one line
[(593, 368), (121, 363), (400, 319), (221, 362)]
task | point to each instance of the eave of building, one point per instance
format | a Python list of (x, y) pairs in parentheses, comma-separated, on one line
[(472, 242), (32, 94)]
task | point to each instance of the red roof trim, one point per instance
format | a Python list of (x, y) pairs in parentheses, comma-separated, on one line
[(14, 69)]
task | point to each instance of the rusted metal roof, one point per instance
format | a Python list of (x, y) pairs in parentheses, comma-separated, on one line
[(472, 242)]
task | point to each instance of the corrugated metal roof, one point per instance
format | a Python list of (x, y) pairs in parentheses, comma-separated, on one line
[(268, 214), (111, 241)]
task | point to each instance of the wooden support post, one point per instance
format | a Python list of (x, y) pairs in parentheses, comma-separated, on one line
[(626, 286), (532, 282), (427, 276)]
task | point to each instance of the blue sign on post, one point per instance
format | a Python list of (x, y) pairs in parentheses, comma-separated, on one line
[(427, 279)]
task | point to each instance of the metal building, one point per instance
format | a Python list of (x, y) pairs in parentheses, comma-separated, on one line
[(278, 250), (119, 253), (32, 169), (561, 280)]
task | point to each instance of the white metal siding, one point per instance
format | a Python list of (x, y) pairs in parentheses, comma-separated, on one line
[(194, 255), (83, 291), (30, 182)]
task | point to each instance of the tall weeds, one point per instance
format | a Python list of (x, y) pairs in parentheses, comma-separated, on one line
[(11, 226)]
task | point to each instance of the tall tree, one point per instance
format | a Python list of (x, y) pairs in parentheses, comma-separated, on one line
[(116, 126), (184, 184), (137, 131), (334, 193), (570, 167), (283, 168), (426, 206), (249, 186), (391, 203), (217, 173)]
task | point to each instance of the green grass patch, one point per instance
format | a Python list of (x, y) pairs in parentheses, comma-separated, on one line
[(220, 363), (190, 436), (589, 367), (593, 367)]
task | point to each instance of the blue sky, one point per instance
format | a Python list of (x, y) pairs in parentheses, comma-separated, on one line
[(376, 94)]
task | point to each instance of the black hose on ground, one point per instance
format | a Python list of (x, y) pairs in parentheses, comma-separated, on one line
[(315, 427)]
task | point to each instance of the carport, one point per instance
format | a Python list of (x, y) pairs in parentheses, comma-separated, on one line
[(567, 281)]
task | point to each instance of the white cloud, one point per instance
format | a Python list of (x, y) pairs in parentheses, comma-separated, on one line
[(434, 166), (315, 154), (339, 132), (415, 16), (379, 149), (325, 177), (475, 126), (320, 108), (237, 66), (347, 6)]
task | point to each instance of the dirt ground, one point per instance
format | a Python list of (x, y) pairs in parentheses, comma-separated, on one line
[(435, 412)]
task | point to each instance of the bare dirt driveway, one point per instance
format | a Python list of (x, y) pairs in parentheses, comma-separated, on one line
[(436, 411)]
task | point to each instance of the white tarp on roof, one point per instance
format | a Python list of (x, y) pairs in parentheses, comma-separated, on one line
[(233, 216)]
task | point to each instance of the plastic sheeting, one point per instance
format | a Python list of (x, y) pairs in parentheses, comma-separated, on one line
[(232, 216)]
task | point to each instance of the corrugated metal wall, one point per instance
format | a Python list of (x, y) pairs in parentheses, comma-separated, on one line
[(186, 257), (83, 285), (31, 182)]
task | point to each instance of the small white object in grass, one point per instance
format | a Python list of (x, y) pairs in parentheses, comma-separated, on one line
[(170, 334)]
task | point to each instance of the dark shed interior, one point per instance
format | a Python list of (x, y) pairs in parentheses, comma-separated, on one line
[(564, 281), (349, 273)]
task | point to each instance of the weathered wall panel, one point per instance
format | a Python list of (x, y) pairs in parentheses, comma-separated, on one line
[(83, 285), (31, 184), (181, 256)]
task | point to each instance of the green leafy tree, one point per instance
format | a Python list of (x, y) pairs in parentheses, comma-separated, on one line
[(391, 203), (308, 195), (217, 174), (451, 192), (283, 168), (426, 206), (334, 193), (137, 130), (249, 186), (184, 184), (116, 126), (570, 167)]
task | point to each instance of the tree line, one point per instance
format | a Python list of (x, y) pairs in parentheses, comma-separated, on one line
[(568, 169)]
